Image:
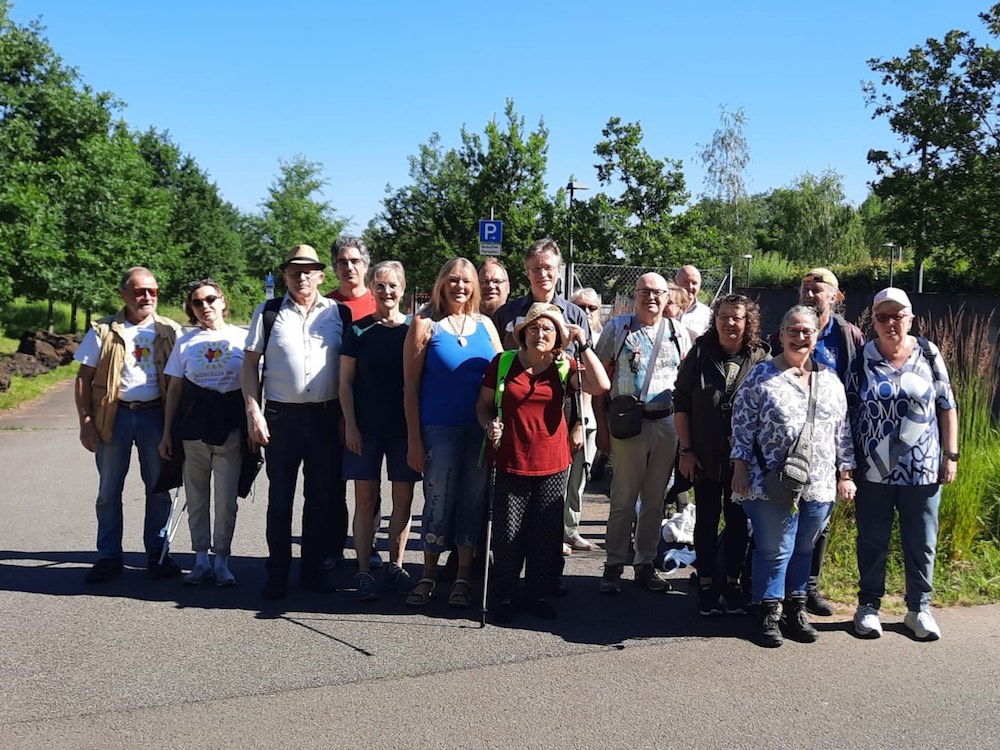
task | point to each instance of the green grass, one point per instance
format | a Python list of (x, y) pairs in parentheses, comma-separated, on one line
[(22, 390)]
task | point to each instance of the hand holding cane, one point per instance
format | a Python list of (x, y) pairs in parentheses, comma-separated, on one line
[(493, 433)]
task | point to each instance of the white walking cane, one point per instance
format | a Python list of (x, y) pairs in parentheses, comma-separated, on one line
[(173, 522)]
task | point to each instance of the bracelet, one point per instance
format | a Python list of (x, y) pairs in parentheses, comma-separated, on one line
[(583, 347)]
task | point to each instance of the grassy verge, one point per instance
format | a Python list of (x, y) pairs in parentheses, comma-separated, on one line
[(22, 390)]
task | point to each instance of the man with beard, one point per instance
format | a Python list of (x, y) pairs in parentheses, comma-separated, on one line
[(836, 343)]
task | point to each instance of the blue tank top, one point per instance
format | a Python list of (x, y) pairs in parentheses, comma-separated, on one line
[(453, 375)]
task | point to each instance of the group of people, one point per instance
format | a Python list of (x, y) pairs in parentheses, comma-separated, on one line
[(499, 405)]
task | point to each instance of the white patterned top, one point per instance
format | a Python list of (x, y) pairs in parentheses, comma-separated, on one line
[(770, 408)]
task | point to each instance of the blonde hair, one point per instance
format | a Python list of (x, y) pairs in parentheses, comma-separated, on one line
[(438, 304)]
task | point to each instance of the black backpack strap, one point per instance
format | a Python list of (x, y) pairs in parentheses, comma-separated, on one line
[(268, 316)]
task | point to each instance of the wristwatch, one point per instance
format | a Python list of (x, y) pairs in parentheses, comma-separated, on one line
[(951, 456), (685, 451)]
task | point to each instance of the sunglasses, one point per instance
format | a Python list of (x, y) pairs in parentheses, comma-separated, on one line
[(146, 292), (886, 317), (590, 308), (205, 301)]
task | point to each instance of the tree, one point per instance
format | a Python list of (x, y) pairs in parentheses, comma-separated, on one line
[(940, 189), (811, 222), (641, 225), (436, 217), (725, 202), (292, 214)]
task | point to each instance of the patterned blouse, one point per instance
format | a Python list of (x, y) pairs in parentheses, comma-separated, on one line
[(770, 409), (894, 415)]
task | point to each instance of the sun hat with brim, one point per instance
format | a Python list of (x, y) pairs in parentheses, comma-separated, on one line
[(303, 255), (827, 277), (891, 295), (544, 310)]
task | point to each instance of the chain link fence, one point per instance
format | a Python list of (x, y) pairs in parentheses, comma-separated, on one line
[(615, 284)]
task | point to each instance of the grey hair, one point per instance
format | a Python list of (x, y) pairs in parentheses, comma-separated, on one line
[(347, 241), (805, 310), (133, 271), (384, 267), (544, 245)]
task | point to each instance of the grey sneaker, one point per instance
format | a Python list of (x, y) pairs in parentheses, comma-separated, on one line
[(199, 575), (367, 590), (648, 576), (923, 625), (611, 581), (866, 622)]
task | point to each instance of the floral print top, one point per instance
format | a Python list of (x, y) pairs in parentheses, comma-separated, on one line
[(770, 408), (894, 415)]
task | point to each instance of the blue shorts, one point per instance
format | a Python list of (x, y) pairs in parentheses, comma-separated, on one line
[(368, 466)]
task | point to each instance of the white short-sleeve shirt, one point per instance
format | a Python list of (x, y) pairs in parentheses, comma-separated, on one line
[(210, 359), (139, 381)]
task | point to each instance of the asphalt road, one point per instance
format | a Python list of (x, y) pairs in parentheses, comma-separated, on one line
[(138, 663)]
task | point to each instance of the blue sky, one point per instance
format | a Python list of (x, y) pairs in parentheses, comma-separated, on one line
[(359, 86)]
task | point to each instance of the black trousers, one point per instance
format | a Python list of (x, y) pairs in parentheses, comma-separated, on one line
[(528, 532), (712, 501), (303, 435)]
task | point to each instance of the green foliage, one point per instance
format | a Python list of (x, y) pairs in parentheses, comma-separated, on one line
[(941, 186), (768, 270), (436, 217)]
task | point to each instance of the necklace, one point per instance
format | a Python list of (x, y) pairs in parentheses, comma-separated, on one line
[(458, 330)]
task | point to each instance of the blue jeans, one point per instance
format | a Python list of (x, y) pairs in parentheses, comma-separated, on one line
[(144, 429), (783, 548), (454, 487), (917, 506)]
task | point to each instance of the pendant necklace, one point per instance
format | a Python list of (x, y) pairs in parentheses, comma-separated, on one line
[(459, 330)]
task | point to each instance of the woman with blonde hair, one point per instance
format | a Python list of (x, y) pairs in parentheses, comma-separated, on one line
[(446, 353)]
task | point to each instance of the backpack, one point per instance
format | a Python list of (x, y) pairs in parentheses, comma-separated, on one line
[(503, 368)]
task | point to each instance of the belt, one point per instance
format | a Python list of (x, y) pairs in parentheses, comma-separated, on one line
[(140, 405), (653, 415), (302, 406)]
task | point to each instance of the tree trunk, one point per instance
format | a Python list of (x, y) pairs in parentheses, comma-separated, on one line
[(52, 316), (72, 318), (86, 323)]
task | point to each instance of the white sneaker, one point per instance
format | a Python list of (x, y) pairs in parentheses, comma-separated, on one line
[(923, 626), (866, 622)]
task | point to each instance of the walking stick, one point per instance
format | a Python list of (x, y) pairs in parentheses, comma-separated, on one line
[(579, 411), (489, 534), (172, 524)]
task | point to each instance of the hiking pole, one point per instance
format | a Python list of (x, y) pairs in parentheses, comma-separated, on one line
[(173, 522), (580, 368), (491, 496)]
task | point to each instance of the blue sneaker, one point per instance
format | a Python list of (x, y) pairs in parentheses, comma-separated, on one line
[(367, 590)]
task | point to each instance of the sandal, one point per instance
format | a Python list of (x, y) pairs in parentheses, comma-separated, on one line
[(421, 593), (461, 594)]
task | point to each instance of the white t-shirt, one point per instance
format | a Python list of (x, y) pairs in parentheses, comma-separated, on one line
[(139, 381), (210, 359), (698, 317)]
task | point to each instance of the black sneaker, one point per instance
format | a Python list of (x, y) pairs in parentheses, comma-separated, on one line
[(540, 608), (732, 598), (320, 583), (708, 602), (276, 587), (794, 622), (166, 569), (398, 579), (647, 576), (504, 612), (104, 570), (817, 604)]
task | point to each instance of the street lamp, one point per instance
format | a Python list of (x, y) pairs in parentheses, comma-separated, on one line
[(572, 186), (891, 247), (748, 257)]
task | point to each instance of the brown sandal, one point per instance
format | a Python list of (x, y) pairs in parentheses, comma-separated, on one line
[(461, 594), (422, 593)]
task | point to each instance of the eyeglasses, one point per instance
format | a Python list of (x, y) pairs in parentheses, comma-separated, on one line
[(383, 286), (204, 301), (886, 317), (591, 308), (806, 332), (146, 292), (541, 330), (494, 282), (654, 293), (310, 274), (344, 262), (731, 318), (546, 270)]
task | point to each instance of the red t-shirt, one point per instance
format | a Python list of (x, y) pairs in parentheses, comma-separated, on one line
[(359, 306), (535, 438)]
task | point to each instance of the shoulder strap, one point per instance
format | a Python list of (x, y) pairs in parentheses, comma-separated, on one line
[(651, 364), (269, 315), (503, 367), (925, 349), (620, 344)]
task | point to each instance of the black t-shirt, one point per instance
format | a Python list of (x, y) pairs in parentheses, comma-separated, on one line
[(378, 376)]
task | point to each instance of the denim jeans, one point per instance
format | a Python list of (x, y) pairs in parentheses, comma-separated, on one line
[(917, 506), (783, 548), (454, 487), (143, 428)]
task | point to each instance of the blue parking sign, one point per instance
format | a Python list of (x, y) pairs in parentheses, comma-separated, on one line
[(490, 232)]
